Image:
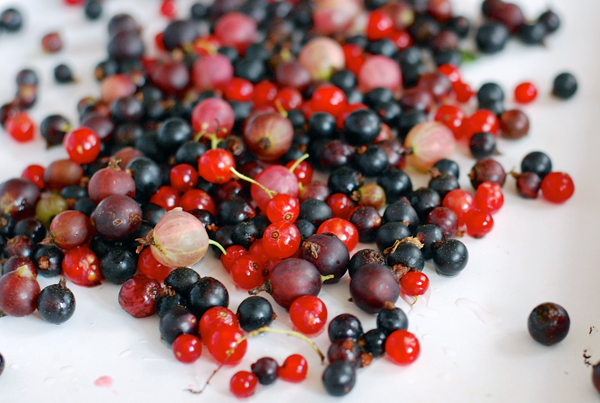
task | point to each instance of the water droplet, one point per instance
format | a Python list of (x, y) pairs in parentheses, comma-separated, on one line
[(15, 366), (449, 351), (125, 354), (67, 370), (49, 381), (104, 382), (420, 306), (486, 317)]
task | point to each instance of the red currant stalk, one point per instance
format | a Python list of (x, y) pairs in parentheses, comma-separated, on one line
[(280, 109), (264, 329), (214, 138), (270, 192), (298, 161)]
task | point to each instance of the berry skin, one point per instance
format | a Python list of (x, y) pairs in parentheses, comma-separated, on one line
[(341, 228), (489, 197), (309, 314), (183, 177), (81, 266), (339, 378), (402, 347), (82, 145), (35, 173), (548, 323), (557, 187), (525, 93), (294, 369), (479, 223), (56, 303), (414, 283), (187, 348), (565, 86), (215, 165), (266, 370), (20, 127), (283, 207), (243, 384), (379, 26)]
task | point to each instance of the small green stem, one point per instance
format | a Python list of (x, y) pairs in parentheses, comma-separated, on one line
[(298, 161), (280, 108), (218, 245), (327, 277), (266, 329), (271, 193)]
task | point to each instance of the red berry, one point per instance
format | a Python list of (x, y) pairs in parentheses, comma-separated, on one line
[(246, 271), (20, 127), (233, 252), (355, 57), (165, 197), (402, 347), (197, 199), (461, 202), (294, 369), (289, 98), (341, 228), (187, 348), (309, 314), (243, 384), (215, 165), (138, 296), (148, 265), (463, 91), (264, 93), (401, 39), (35, 173), (82, 145), (451, 71), (239, 89), (489, 197), (81, 266), (414, 283), (224, 339), (479, 223), (341, 205), (525, 93), (452, 117), (379, 26), (283, 207), (481, 121), (303, 172), (216, 318), (557, 187), (183, 177), (330, 99), (257, 249), (281, 239), (168, 9)]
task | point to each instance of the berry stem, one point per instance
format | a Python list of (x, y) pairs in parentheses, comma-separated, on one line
[(298, 161), (327, 277), (218, 245), (271, 193), (280, 108)]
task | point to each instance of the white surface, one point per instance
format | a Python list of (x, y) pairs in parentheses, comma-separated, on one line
[(537, 252)]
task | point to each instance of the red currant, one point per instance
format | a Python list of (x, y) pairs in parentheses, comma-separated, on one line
[(215, 165), (148, 265), (35, 173), (246, 272), (525, 93), (451, 71), (215, 318), (281, 239), (233, 252), (197, 199), (239, 89), (355, 57), (330, 99), (283, 207), (20, 127), (452, 117), (401, 39), (303, 172), (82, 145), (81, 266), (341, 205), (481, 121), (222, 341), (557, 187), (257, 249), (479, 223), (489, 197), (183, 177), (165, 197), (159, 41), (461, 202), (289, 98), (243, 384), (379, 25), (402, 347), (414, 283), (294, 369), (309, 314), (463, 91), (264, 93), (187, 348), (168, 9), (343, 229)]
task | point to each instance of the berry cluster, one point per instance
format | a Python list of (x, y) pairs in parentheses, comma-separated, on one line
[(216, 142)]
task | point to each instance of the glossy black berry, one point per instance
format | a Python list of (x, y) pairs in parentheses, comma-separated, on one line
[(391, 319), (339, 378), (459, 25), (450, 257), (182, 279), (315, 211), (179, 33), (402, 211), (532, 34), (176, 322), (389, 112), (167, 300), (482, 145), (375, 342), (255, 312), (345, 180), (346, 350), (146, 175), (206, 293), (443, 184), (173, 133), (362, 258), (321, 124), (492, 37), (344, 79), (495, 106), (373, 161), (490, 92), (189, 152), (448, 167), (384, 47), (63, 74), (377, 96), (245, 233), (92, 9), (423, 201), (344, 326), (550, 20), (32, 228), (395, 184), (234, 211), (11, 20), (118, 266), (361, 127), (405, 255), (306, 228), (548, 323), (48, 260), (266, 370), (56, 303), (428, 235), (389, 233), (408, 120), (251, 69), (565, 86)]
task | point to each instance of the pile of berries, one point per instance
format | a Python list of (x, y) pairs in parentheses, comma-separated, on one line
[(216, 141)]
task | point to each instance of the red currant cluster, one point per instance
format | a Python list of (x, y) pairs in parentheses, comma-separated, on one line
[(215, 142)]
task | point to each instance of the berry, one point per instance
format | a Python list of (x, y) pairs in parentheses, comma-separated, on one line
[(489, 197), (82, 145), (243, 384), (525, 93), (255, 312), (308, 314), (548, 323), (339, 378), (20, 127), (565, 86), (187, 348), (402, 347), (479, 223), (414, 283), (557, 187), (293, 369), (266, 370), (450, 257)]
